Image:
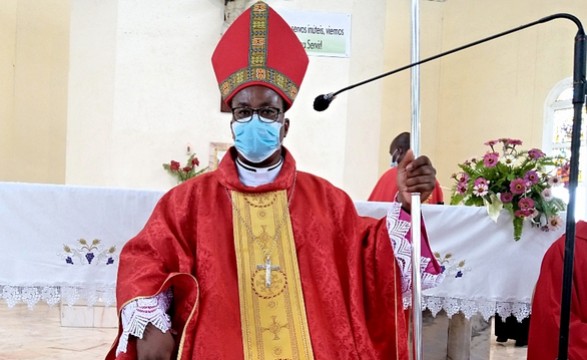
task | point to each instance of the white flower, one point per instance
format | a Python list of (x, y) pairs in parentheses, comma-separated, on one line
[(508, 160), (554, 181), (554, 222), (480, 189), (546, 194)]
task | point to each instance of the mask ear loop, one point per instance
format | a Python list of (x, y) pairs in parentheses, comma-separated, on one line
[(394, 153), (393, 161)]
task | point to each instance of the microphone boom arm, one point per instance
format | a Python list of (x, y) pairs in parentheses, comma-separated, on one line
[(330, 96)]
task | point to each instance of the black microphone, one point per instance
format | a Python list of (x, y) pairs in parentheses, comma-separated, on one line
[(321, 102)]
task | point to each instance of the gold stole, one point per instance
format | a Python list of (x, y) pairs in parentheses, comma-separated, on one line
[(273, 314)]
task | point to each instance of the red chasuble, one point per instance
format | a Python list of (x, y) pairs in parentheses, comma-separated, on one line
[(349, 276), (386, 189), (543, 339)]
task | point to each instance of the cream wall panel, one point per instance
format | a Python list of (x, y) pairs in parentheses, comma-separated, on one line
[(7, 66), (35, 122)]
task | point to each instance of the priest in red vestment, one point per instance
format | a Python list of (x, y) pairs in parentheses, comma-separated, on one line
[(543, 339), (386, 188), (257, 260)]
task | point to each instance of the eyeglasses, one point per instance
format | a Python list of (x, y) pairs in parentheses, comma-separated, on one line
[(244, 114)]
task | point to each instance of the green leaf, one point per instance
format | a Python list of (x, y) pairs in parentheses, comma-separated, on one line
[(518, 225)]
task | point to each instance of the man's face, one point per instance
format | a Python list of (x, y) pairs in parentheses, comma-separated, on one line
[(256, 97)]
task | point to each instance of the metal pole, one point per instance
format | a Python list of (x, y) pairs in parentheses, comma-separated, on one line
[(416, 212), (578, 102)]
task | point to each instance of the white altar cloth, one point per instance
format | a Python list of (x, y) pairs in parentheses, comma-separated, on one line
[(61, 244), (487, 270), (39, 222)]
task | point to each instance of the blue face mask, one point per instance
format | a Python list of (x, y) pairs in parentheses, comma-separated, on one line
[(256, 140)]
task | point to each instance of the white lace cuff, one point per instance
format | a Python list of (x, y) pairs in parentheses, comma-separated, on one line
[(398, 229), (137, 314)]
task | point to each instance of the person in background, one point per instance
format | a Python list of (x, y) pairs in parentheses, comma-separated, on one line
[(543, 340), (386, 188), (258, 260)]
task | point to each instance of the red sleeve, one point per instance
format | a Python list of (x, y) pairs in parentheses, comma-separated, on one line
[(544, 323), (156, 259)]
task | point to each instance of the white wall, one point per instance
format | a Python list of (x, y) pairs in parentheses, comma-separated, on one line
[(142, 87)]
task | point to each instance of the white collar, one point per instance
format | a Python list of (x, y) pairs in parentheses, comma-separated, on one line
[(251, 176)]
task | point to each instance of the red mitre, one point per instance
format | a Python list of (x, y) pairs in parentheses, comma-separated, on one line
[(260, 48)]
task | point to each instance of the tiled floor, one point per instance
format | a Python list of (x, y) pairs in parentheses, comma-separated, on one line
[(37, 334)]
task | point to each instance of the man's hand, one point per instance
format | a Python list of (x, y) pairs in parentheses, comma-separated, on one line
[(415, 175), (155, 344)]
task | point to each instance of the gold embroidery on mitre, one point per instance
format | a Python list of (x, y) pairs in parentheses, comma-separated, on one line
[(257, 69), (273, 315), (246, 75)]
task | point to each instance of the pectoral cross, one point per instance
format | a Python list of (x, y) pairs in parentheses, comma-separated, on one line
[(268, 268)]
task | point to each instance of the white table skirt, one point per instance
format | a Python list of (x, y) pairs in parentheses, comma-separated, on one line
[(61, 244)]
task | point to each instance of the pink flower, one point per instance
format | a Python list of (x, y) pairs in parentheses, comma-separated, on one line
[(462, 177), (490, 143), (536, 154), (513, 142), (518, 186), (526, 204), (195, 162), (461, 188), (481, 181), (532, 177), (187, 169), (523, 213), (506, 197), (490, 159)]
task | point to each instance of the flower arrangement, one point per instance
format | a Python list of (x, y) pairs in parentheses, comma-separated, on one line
[(184, 172), (515, 180)]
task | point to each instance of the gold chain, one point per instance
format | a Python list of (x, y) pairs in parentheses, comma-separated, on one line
[(267, 249), (266, 252)]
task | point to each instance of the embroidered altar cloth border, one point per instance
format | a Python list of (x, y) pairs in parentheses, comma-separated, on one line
[(60, 243)]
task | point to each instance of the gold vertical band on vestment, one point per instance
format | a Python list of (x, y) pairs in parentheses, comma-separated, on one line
[(273, 318)]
